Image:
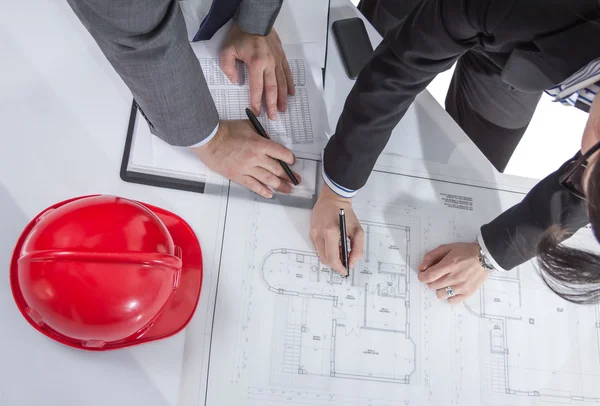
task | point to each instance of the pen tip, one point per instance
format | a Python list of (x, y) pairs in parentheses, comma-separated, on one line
[(341, 211)]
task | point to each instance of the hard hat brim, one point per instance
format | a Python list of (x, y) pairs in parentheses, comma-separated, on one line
[(177, 311)]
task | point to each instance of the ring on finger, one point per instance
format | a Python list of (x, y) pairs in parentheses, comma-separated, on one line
[(450, 291)]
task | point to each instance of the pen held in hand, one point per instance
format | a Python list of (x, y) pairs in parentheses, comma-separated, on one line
[(260, 130), (344, 241)]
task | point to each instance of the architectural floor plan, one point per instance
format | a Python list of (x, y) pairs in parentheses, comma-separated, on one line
[(289, 331), (523, 322), (330, 321)]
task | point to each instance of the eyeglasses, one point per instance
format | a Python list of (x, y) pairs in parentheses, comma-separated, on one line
[(572, 178)]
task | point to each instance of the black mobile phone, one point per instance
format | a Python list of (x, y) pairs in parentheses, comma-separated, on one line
[(354, 44)]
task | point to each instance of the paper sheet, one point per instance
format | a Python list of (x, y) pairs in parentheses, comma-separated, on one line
[(301, 128), (289, 331)]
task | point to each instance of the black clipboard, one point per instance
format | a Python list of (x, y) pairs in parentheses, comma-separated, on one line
[(132, 176)]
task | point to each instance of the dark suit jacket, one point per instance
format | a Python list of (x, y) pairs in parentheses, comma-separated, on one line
[(536, 43)]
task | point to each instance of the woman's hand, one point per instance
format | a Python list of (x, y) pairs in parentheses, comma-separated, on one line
[(455, 265)]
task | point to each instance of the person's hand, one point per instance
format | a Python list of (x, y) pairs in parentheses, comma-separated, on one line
[(455, 265), (240, 154), (325, 230), (268, 68)]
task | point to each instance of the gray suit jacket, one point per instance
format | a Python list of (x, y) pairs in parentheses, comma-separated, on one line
[(146, 43)]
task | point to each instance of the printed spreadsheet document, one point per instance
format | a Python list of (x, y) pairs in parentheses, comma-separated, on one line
[(302, 127)]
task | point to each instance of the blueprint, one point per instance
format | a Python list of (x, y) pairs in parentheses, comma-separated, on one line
[(539, 347), (289, 331)]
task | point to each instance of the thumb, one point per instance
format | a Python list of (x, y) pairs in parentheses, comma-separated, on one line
[(228, 64)]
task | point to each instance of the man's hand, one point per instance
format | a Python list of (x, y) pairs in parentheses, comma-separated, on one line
[(240, 154), (456, 265), (267, 66), (325, 230)]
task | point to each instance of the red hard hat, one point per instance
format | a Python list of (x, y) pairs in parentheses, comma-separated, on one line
[(104, 272)]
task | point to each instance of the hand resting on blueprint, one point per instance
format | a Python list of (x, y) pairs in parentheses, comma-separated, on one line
[(240, 154), (456, 265), (268, 68), (325, 230)]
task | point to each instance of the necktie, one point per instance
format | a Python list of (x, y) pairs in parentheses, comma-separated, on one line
[(220, 12)]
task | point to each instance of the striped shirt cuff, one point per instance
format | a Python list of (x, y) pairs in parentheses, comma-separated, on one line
[(487, 254), (337, 189), (207, 139)]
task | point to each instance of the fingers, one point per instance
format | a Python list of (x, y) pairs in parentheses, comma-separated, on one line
[(278, 151), (442, 294), (256, 74), (357, 237), (270, 179), (449, 279), (275, 168), (458, 298), (332, 252), (435, 272), (255, 186), (282, 91), (462, 290), (271, 93), (228, 64), (288, 77), (434, 256), (272, 166), (298, 177)]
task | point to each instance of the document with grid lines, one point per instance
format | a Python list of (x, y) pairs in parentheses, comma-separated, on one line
[(302, 127)]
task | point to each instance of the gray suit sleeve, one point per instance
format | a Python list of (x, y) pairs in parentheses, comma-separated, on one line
[(258, 16), (146, 43)]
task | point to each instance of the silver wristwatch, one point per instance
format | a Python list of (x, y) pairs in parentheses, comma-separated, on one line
[(484, 261)]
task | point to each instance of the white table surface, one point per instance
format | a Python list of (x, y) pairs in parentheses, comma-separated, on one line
[(64, 113)]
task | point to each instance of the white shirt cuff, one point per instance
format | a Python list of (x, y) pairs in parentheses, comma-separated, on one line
[(487, 254), (337, 189), (207, 139)]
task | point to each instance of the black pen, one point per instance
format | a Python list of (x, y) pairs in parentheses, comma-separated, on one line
[(344, 241), (259, 129)]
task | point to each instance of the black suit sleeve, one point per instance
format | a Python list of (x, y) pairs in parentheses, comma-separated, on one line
[(428, 41), (512, 237)]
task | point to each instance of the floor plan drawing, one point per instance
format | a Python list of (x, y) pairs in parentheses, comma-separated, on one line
[(522, 321), (329, 322), (289, 331)]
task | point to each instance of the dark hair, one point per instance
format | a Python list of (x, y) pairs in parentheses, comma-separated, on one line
[(571, 273)]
